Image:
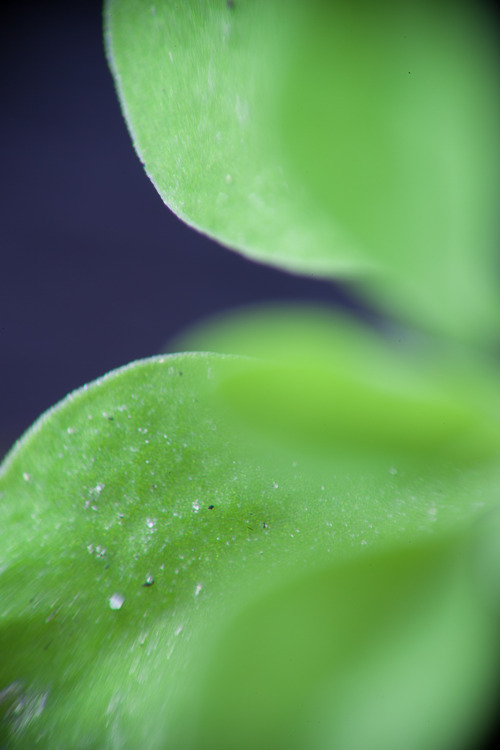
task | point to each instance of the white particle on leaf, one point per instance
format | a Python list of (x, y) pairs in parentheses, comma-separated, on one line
[(116, 601), (196, 506), (198, 589), (178, 630), (26, 477), (150, 523), (392, 470)]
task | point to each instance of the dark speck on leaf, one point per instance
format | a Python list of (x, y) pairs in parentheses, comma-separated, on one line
[(211, 507), (230, 4), (180, 373), (264, 525), (111, 419), (148, 582)]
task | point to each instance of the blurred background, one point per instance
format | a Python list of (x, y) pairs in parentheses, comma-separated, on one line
[(95, 271)]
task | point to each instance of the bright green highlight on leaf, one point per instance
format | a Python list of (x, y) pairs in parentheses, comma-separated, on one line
[(326, 385), (327, 138), (136, 524)]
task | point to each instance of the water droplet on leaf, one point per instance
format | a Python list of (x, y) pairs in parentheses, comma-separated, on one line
[(116, 601)]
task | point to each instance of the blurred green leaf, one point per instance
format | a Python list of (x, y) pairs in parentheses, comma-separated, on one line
[(326, 386), (390, 115), (327, 138), (393, 650)]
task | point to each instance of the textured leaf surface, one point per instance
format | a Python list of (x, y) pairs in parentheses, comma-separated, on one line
[(326, 138), (135, 523), (122, 515)]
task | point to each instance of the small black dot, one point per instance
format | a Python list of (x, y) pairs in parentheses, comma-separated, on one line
[(111, 419), (211, 507), (230, 4)]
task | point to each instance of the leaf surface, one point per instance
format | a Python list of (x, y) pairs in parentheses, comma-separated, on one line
[(137, 519), (332, 139)]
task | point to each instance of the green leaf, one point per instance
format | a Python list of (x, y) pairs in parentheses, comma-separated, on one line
[(324, 385), (137, 519), (336, 139), (125, 514), (393, 650)]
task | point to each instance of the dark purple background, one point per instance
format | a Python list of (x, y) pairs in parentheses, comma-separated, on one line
[(95, 271)]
